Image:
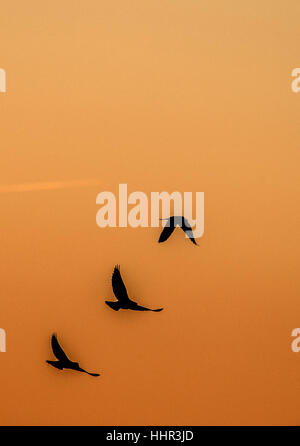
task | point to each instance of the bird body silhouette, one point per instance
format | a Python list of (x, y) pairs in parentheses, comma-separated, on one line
[(63, 361), (120, 292), (172, 223)]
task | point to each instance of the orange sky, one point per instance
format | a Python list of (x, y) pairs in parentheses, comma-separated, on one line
[(168, 95)]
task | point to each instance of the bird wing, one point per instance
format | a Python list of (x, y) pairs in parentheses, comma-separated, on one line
[(118, 286), (186, 227), (57, 350), (140, 308), (84, 371), (166, 232)]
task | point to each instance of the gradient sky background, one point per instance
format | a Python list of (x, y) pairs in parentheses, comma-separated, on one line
[(168, 95)]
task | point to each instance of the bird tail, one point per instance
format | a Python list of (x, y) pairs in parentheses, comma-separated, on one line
[(55, 364), (114, 305), (156, 311)]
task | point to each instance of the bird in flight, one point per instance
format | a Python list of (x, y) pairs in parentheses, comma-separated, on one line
[(172, 223), (120, 292), (63, 361)]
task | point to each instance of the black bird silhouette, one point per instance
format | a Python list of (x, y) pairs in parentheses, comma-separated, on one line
[(170, 226), (120, 292), (63, 361)]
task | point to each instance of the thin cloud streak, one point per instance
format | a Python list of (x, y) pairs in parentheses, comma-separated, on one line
[(49, 185)]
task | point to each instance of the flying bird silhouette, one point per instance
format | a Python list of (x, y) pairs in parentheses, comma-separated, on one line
[(120, 292), (172, 223), (63, 361)]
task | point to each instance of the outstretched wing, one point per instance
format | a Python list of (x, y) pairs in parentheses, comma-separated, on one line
[(186, 227), (140, 308), (166, 232), (57, 350), (118, 286), (84, 371)]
